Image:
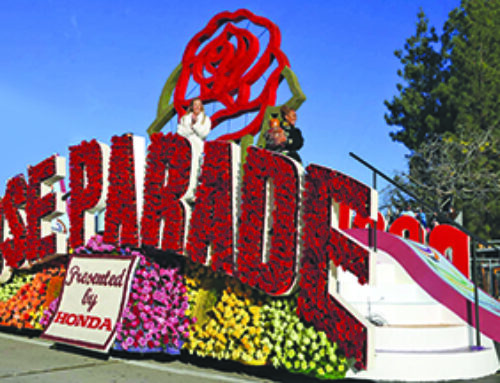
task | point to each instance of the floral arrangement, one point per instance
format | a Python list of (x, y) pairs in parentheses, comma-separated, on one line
[(241, 324), (169, 157), (298, 347), (48, 313), (323, 244), (15, 249), (86, 184), (213, 213), (39, 207), (282, 254), (121, 203), (8, 290), (23, 300), (229, 323), (155, 317), (205, 313)]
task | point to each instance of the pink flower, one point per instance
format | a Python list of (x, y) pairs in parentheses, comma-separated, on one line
[(142, 342), (128, 342)]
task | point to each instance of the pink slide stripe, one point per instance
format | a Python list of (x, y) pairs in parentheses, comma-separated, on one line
[(432, 282)]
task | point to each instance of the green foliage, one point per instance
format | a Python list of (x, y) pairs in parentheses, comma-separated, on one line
[(448, 103), (421, 108), (472, 38)]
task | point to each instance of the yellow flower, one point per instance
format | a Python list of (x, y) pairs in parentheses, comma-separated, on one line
[(221, 338), (236, 354), (238, 332), (255, 310), (219, 316), (228, 313)]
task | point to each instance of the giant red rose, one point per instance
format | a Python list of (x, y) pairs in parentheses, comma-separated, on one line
[(226, 71)]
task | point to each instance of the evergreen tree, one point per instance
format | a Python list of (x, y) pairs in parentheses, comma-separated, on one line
[(448, 112), (421, 107)]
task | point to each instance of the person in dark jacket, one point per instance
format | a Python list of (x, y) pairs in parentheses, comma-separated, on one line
[(287, 138)]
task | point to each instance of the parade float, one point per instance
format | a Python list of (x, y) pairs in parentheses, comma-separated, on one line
[(242, 256)]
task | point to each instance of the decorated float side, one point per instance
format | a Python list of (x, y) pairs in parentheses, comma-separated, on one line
[(229, 249)]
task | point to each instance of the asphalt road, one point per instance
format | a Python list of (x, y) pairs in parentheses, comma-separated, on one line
[(29, 360)]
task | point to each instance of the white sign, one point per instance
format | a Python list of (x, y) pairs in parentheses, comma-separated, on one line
[(93, 298)]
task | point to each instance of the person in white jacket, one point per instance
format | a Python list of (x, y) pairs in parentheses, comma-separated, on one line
[(195, 126)]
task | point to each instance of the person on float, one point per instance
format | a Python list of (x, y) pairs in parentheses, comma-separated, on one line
[(287, 138), (409, 211), (195, 126)]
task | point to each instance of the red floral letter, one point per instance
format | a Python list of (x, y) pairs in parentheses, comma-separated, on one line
[(323, 243), (88, 182), (15, 250), (5, 271), (269, 263), (212, 222), (121, 205), (167, 180), (42, 209)]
